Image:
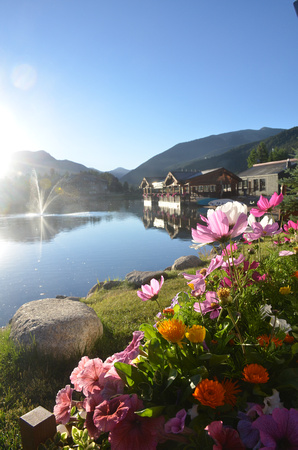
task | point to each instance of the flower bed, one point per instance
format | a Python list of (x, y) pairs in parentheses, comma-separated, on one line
[(218, 369)]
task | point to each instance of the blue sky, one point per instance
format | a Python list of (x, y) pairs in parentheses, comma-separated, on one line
[(113, 83)]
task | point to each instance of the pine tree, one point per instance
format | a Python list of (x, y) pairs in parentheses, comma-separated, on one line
[(290, 181)]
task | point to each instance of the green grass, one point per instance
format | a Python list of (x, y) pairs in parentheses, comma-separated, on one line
[(28, 379)]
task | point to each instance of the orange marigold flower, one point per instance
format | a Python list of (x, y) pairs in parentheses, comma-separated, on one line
[(289, 339), (255, 373), (295, 274), (265, 340), (231, 389), (196, 334), (210, 393), (172, 330)]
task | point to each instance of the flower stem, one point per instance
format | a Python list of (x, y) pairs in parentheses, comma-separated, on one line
[(236, 328)]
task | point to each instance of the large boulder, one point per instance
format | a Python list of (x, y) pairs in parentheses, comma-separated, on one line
[(61, 327), (187, 262), (139, 278)]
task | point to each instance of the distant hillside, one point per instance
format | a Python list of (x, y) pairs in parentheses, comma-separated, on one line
[(183, 153), (119, 172), (43, 162), (235, 159)]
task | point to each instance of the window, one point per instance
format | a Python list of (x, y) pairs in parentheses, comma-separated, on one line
[(206, 188), (212, 188), (262, 184), (256, 185), (201, 188)]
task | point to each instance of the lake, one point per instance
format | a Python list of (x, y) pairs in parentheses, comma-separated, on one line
[(66, 254)]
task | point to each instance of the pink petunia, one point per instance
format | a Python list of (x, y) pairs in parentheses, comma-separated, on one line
[(265, 205), (150, 291), (218, 228), (225, 438), (76, 371), (110, 412), (63, 405), (131, 351), (135, 432)]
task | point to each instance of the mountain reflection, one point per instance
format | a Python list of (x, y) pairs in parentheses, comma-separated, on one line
[(31, 228), (176, 222)]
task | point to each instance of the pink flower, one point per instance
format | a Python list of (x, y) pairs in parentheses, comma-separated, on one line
[(229, 249), (110, 412), (131, 351), (286, 253), (76, 371), (98, 375), (63, 405), (218, 228), (265, 205), (150, 292), (177, 423), (135, 432), (289, 225), (211, 304), (260, 231), (279, 430), (225, 438)]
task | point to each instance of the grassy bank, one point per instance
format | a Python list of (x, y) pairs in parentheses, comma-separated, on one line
[(28, 379)]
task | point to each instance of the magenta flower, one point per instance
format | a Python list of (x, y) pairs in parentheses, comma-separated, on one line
[(279, 430), (177, 423), (265, 205), (289, 225), (150, 292), (135, 432), (63, 405), (218, 228), (224, 437), (211, 304), (131, 351)]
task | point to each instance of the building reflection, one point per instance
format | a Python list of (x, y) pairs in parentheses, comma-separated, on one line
[(176, 219)]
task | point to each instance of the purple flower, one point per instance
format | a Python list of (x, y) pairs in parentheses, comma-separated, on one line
[(260, 231), (150, 292), (265, 205), (211, 304), (176, 424), (279, 430), (249, 436)]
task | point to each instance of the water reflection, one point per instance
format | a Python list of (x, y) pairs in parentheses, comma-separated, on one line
[(31, 228), (177, 222)]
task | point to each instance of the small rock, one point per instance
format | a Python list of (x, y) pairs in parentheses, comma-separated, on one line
[(139, 278), (187, 262)]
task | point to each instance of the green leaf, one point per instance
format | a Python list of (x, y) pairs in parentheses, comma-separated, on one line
[(171, 377), (155, 353), (154, 411), (215, 360), (295, 348), (288, 378), (149, 331), (129, 374)]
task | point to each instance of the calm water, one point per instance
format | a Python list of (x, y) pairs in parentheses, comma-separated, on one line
[(67, 254)]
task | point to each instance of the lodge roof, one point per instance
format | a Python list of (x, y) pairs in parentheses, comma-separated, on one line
[(270, 168)]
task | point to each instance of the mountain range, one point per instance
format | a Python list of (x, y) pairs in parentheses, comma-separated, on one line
[(229, 150)]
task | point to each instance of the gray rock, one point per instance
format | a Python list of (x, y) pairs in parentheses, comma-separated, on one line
[(137, 278), (60, 327), (187, 262), (104, 285)]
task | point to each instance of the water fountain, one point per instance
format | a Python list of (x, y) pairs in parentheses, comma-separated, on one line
[(40, 200)]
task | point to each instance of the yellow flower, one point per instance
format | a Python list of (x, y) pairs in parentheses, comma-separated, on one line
[(224, 296), (172, 330), (285, 290), (196, 334)]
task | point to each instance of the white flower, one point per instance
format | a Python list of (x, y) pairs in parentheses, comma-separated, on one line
[(282, 324), (193, 412), (266, 311), (232, 210), (272, 402)]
